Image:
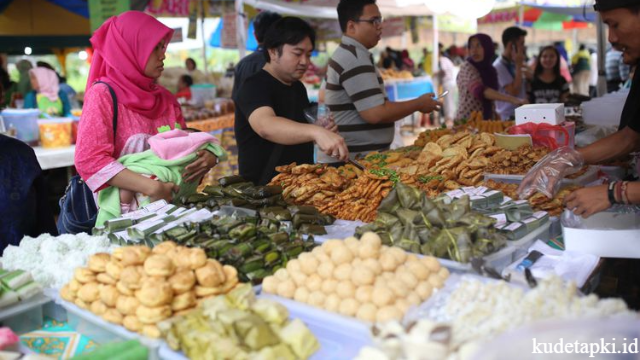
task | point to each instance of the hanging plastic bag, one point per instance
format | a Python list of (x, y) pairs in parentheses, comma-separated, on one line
[(545, 177)]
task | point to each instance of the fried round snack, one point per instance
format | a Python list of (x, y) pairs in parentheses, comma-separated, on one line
[(113, 316), (159, 265), (183, 281), (97, 262), (127, 305), (155, 293), (84, 275), (152, 315)]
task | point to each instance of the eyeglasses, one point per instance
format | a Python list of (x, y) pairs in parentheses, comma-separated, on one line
[(376, 21)]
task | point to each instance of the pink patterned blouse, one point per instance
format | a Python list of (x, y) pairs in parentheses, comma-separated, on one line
[(96, 155), (470, 91)]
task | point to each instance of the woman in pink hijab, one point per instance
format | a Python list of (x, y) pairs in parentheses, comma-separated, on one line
[(46, 95), (129, 50)]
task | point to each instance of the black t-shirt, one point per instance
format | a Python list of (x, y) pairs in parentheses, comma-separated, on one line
[(631, 112), (289, 102), (547, 93)]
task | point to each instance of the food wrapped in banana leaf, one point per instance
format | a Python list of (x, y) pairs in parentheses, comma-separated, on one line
[(408, 219), (275, 212), (312, 229), (408, 196), (261, 192), (303, 209), (230, 180), (213, 190)]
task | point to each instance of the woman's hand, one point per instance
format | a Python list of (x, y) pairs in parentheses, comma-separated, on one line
[(588, 201), (163, 190), (199, 167)]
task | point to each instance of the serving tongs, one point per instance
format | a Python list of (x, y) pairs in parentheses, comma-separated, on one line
[(356, 164)]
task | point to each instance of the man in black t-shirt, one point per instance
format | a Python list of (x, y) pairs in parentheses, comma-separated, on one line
[(255, 61), (271, 129), (623, 19)]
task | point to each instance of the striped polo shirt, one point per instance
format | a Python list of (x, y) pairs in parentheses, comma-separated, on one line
[(354, 85)]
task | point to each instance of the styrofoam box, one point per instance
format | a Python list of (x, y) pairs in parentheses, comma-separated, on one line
[(540, 114), (340, 337), (606, 234), (102, 332), (24, 316), (588, 177)]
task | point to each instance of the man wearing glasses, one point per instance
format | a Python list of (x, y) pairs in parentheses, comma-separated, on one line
[(355, 91)]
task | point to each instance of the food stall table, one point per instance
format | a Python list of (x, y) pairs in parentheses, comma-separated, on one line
[(55, 158)]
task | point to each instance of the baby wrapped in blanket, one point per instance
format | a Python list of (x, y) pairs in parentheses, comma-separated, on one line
[(170, 152)]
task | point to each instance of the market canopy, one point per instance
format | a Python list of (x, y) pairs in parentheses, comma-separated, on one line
[(326, 9), (43, 24)]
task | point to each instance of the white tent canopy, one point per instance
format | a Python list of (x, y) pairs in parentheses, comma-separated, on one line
[(328, 9)]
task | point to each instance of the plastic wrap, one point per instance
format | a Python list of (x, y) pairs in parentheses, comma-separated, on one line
[(545, 177)]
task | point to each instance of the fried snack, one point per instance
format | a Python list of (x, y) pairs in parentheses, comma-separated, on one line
[(67, 294), (211, 274), (98, 307), (183, 281), (164, 247), (183, 301), (127, 305), (105, 279), (131, 323), (109, 295), (155, 293), (113, 269), (113, 316), (152, 315), (97, 262), (515, 162), (135, 255), (84, 275), (159, 265), (89, 292), (538, 201)]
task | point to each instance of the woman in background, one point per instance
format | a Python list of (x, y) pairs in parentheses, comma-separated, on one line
[(478, 81), (548, 85), (46, 95)]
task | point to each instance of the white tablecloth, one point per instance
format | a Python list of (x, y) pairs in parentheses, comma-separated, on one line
[(55, 158)]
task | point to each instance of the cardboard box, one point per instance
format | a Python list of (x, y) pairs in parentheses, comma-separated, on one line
[(606, 234), (540, 113)]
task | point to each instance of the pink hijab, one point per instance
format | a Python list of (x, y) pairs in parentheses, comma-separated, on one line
[(122, 46), (47, 82)]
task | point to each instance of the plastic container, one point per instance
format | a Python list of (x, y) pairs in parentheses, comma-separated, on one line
[(25, 121), (24, 316), (101, 331), (56, 132), (340, 337), (588, 177), (619, 333), (55, 312)]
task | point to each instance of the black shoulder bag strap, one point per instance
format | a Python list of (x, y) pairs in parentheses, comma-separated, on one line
[(115, 107)]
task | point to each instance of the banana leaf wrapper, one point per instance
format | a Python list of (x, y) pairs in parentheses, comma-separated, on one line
[(312, 229), (213, 190), (262, 192), (303, 209), (408, 196), (390, 203), (230, 180)]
